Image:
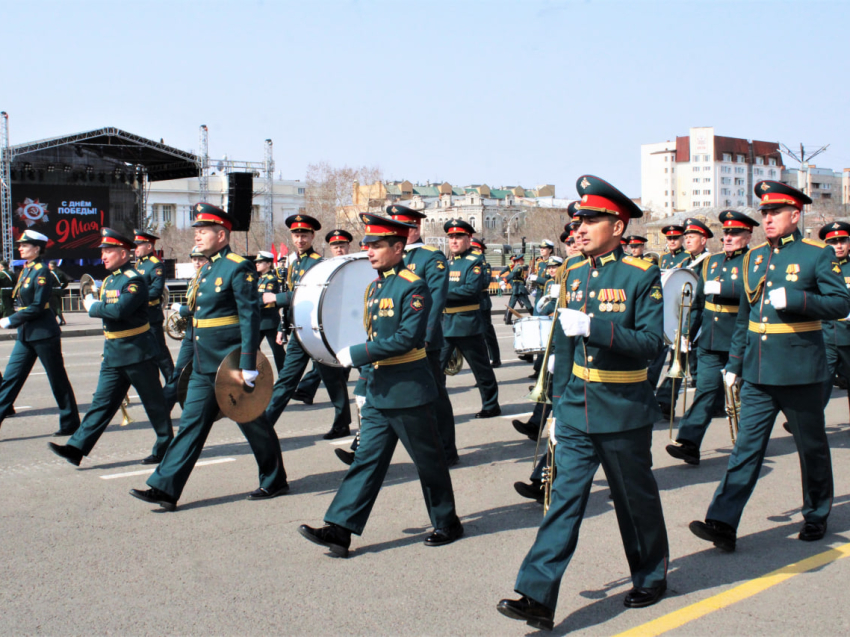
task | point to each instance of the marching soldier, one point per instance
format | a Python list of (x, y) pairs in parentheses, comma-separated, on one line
[(478, 247), (715, 311), (462, 324), (60, 282), (791, 284), (537, 276), (675, 252), (7, 284), (149, 265), (400, 390), (38, 337), (610, 325), (303, 229), (836, 334), (128, 350), (226, 318), (269, 314), (637, 244), (187, 345), (519, 293)]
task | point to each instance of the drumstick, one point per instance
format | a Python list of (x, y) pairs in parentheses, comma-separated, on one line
[(515, 313)]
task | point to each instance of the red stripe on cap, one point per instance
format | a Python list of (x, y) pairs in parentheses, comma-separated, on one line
[(776, 197), (634, 242), (141, 238), (673, 233), (456, 230), (211, 218), (406, 219), (696, 229), (300, 225), (338, 238), (836, 233), (385, 231), (603, 204), (114, 242), (734, 223)]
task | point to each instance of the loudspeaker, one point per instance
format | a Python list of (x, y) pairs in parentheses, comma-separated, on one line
[(240, 199)]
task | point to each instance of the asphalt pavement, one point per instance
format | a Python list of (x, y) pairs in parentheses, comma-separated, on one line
[(81, 556)]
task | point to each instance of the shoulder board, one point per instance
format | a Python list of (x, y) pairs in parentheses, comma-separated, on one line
[(576, 265), (815, 242), (130, 273), (154, 259), (638, 263), (315, 255), (236, 258), (428, 247), (38, 266), (407, 275), (761, 245), (472, 257)]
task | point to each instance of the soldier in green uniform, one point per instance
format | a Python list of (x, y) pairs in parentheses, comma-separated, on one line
[(303, 229), (7, 284), (478, 247), (60, 282), (716, 310), (519, 293), (269, 314), (836, 334), (609, 326), (675, 254), (537, 275), (226, 319), (462, 324), (38, 337), (637, 244), (400, 391), (127, 354), (187, 345), (791, 284), (149, 265)]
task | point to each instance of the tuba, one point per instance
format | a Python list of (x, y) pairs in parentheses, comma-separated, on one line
[(455, 363)]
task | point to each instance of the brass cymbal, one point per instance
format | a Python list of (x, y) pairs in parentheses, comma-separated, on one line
[(236, 400), (183, 388)]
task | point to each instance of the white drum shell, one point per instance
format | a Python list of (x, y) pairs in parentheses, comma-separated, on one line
[(672, 282), (531, 334), (327, 306)]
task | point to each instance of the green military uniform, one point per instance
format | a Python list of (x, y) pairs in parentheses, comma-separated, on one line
[(519, 293), (714, 319), (270, 314), (335, 378), (487, 316), (60, 282), (765, 340), (604, 410), (674, 259), (462, 324), (7, 284), (127, 355), (226, 318), (38, 338), (836, 334), (400, 392), (154, 273)]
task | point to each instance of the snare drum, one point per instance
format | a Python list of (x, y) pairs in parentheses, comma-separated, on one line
[(531, 334), (327, 306)]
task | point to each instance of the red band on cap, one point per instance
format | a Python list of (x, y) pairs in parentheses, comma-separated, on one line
[(836, 233), (338, 238), (211, 218), (115, 242), (780, 198), (406, 219), (141, 238), (673, 233), (456, 230), (636, 242), (300, 225), (696, 229), (385, 231), (603, 204), (734, 223)]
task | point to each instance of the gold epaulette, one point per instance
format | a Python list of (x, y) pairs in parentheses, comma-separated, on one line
[(153, 259), (130, 273), (429, 247), (407, 275), (638, 263), (472, 257), (815, 242), (236, 258), (38, 266)]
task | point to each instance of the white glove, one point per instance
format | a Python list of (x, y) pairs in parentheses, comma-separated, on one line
[(729, 378), (96, 286), (88, 302), (359, 401), (503, 285), (552, 432), (554, 290), (543, 301), (778, 299), (175, 307), (573, 322), (711, 287), (249, 376), (532, 277), (683, 347), (344, 356), (5, 323), (550, 365)]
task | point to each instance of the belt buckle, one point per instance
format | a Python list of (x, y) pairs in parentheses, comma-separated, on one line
[(586, 374), (762, 328)]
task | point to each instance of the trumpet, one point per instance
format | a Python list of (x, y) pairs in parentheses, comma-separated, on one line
[(125, 415), (680, 368), (549, 471), (733, 405)]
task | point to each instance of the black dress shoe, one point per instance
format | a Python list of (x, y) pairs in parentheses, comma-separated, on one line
[(65, 432), (526, 609), (496, 364), (334, 537), (812, 531), (268, 494), (642, 597), (152, 459), (787, 427), (300, 396), (346, 456), (333, 434), (526, 429), (71, 454), (489, 413), (723, 535), (686, 451), (447, 535), (533, 491), (534, 374), (155, 496), (665, 409)]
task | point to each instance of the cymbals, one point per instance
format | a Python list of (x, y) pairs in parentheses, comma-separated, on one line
[(236, 400)]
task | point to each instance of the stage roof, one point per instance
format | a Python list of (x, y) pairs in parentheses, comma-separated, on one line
[(160, 162)]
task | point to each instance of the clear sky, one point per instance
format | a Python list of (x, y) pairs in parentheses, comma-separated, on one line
[(498, 92)]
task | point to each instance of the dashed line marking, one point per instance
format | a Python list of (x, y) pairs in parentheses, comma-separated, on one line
[(145, 472)]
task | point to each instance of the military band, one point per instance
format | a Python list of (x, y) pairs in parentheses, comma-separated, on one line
[(153, 270)]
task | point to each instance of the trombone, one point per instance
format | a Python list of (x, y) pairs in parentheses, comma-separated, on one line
[(680, 368), (733, 405)]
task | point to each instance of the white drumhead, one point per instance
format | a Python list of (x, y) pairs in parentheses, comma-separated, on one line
[(672, 282), (531, 334)]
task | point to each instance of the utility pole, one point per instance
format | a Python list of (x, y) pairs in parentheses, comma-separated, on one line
[(204, 163), (269, 198), (803, 177), (6, 188)]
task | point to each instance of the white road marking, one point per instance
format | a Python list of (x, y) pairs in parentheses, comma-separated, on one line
[(517, 416), (342, 441), (144, 472)]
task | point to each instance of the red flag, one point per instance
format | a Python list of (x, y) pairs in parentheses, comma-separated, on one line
[(274, 253), (283, 249)]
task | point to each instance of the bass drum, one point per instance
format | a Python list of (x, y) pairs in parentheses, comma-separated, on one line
[(531, 335), (672, 284), (327, 306)]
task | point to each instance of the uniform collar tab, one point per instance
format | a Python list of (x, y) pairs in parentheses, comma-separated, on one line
[(736, 253), (615, 255)]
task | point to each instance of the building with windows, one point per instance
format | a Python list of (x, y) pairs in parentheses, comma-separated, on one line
[(169, 203), (824, 185), (703, 170)]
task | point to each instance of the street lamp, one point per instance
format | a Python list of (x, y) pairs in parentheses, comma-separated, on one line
[(510, 221)]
